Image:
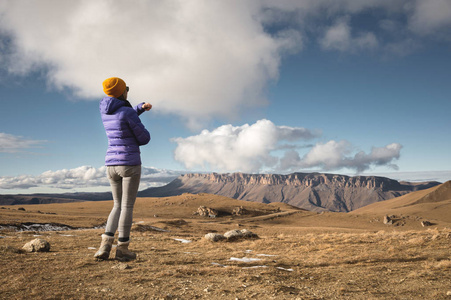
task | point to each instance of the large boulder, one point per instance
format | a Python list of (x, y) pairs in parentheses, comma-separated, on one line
[(37, 245), (214, 237), (231, 235), (206, 212)]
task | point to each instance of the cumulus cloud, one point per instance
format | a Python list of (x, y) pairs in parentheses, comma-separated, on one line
[(12, 143), (195, 59), (335, 155), (255, 148), (245, 148), (82, 177)]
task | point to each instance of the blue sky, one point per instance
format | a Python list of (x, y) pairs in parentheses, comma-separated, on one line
[(347, 87)]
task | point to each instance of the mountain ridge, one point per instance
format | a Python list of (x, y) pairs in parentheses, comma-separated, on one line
[(311, 191)]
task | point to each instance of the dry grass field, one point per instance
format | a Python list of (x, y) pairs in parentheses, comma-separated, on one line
[(297, 255)]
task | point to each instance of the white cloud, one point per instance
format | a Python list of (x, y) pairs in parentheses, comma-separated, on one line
[(335, 155), (11, 143), (81, 177), (429, 16), (339, 37), (244, 148), (256, 148), (197, 59)]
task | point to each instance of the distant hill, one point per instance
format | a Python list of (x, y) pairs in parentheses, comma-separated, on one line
[(24, 199), (311, 191), (433, 204)]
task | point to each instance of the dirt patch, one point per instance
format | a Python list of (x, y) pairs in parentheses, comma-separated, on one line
[(302, 255)]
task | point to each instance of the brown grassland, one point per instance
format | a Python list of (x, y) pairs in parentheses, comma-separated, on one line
[(302, 255)]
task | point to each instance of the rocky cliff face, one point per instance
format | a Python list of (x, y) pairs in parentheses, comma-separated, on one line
[(311, 191), (297, 180)]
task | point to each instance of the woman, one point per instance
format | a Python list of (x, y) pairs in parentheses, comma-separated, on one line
[(125, 134)]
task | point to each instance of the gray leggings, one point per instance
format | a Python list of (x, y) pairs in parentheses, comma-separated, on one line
[(124, 181)]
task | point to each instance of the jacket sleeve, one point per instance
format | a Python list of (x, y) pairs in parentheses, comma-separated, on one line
[(139, 108), (139, 131)]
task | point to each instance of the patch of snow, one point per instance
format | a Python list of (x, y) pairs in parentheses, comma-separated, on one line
[(219, 265), (244, 259), (254, 267), (183, 241)]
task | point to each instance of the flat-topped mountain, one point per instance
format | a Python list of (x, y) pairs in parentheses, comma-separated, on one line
[(311, 191)]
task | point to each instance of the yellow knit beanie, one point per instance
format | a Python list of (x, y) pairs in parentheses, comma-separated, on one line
[(114, 87)]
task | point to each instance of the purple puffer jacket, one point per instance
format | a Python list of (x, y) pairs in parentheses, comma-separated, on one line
[(124, 130)]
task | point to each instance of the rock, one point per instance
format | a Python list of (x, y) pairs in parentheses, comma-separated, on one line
[(239, 211), (21, 208), (214, 237), (37, 245), (388, 220), (206, 212), (426, 223), (233, 234), (248, 234)]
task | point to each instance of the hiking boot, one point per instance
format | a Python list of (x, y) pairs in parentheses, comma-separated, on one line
[(122, 252), (105, 247)]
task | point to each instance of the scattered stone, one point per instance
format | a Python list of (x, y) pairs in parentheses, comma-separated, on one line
[(121, 266), (206, 212), (214, 237), (388, 220), (239, 211), (448, 293), (248, 234), (37, 245), (426, 223), (233, 234)]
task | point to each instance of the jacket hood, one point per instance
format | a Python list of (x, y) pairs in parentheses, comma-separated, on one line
[(109, 105)]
